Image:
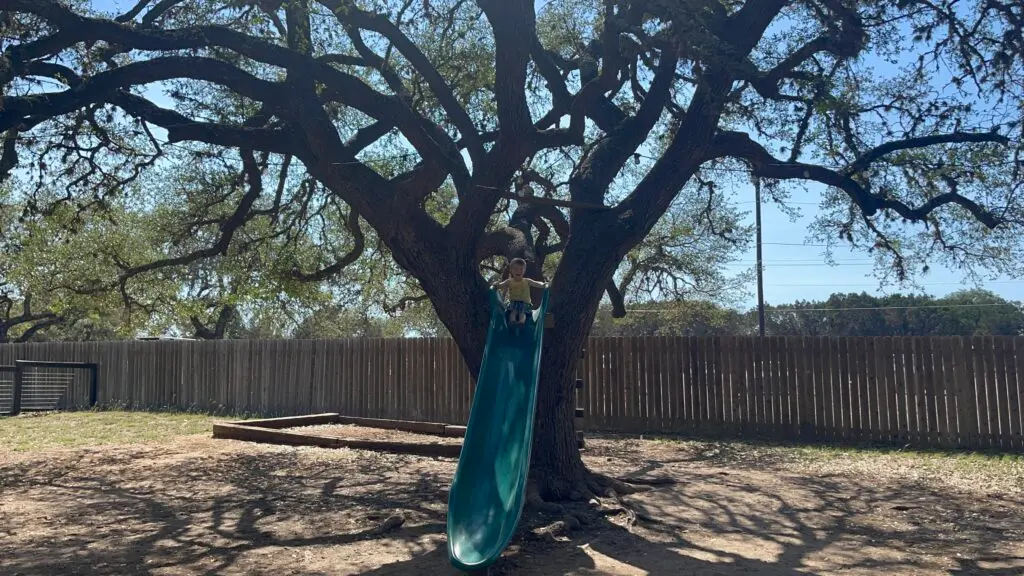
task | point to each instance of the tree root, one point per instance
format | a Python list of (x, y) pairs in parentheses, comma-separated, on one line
[(658, 481), (602, 485), (596, 496)]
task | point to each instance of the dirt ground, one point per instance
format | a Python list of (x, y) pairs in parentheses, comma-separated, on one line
[(196, 505)]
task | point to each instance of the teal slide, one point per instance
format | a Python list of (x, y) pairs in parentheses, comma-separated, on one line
[(489, 487)]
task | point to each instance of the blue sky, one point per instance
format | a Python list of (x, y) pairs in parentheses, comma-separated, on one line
[(793, 270)]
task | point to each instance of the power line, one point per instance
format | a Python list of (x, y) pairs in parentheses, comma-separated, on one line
[(833, 286), (768, 309)]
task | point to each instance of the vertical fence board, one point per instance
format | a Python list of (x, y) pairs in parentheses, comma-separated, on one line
[(818, 369), (933, 389), (790, 382), (642, 361), (1002, 395), (966, 402), (841, 348), (983, 364), (1018, 350), (770, 385), (617, 379), (874, 430), (1013, 395), (863, 383), (886, 387), (716, 388), (912, 367), (596, 379), (742, 370), (829, 428), (662, 395), (805, 396)]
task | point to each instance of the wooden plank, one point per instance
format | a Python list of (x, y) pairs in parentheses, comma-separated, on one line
[(412, 379), (768, 384), (783, 422), (664, 398), (816, 386), (401, 387), (615, 382), (754, 387), (364, 374), (874, 431), (921, 390), (704, 384), (419, 382), (595, 381), (987, 411), (991, 392), (911, 366), (781, 397), (344, 378), (975, 365), (640, 358), (739, 384), (886, 386), (931, 389), (436, 428), (826, 426), (294, 421), (716, 391), (730, 383), (654, 370), (1002, 392), (789, 346), (629, 389), (434, 401), (863, 394), (609, 381), (1017, 389), (841, 375), (899, 390), (650, 376), (804, 396), (946, 401), (1013, 424), (967, 408)]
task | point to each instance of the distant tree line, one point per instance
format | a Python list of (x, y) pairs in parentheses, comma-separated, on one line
[(963, 313)]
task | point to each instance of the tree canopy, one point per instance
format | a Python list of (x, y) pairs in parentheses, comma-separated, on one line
[(457, 131)]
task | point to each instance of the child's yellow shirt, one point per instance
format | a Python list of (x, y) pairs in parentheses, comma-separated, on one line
[(519, 291)]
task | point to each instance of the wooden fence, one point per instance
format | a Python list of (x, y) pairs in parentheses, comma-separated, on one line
[(941, 392)]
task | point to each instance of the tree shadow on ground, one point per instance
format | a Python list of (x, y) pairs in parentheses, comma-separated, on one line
[(313, 512)]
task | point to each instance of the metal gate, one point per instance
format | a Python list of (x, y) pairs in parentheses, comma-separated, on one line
[(36, 386)]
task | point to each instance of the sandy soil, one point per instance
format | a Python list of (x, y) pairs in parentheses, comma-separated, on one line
[(203, 506), (354, 432)]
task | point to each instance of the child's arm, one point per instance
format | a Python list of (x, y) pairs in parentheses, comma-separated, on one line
[(500, 285), (536, 284)]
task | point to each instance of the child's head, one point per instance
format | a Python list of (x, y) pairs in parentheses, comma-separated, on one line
[(517, 267)]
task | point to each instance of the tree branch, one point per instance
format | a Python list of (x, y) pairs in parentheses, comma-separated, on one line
[(763, 164), (358, 245)]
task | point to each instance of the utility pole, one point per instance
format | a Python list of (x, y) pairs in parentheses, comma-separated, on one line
[(760, 263)]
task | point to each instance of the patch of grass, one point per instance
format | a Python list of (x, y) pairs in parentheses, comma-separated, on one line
[(32, 432), (981, 471)]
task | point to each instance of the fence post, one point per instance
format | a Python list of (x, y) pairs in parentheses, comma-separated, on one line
[(94, 384), (19, 371)]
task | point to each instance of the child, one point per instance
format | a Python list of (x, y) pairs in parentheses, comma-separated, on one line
[(518, 291)]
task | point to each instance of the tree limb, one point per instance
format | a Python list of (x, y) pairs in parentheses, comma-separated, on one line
[(740, 145)]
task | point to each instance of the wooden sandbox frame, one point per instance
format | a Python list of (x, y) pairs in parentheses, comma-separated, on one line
[(270, 431)]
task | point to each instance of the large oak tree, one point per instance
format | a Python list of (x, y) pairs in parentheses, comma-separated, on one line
[(904, 115)]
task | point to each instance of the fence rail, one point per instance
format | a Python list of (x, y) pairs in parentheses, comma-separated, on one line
[(927, 391)]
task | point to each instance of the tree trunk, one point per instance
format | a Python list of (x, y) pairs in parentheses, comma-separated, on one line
[(587, 265)]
